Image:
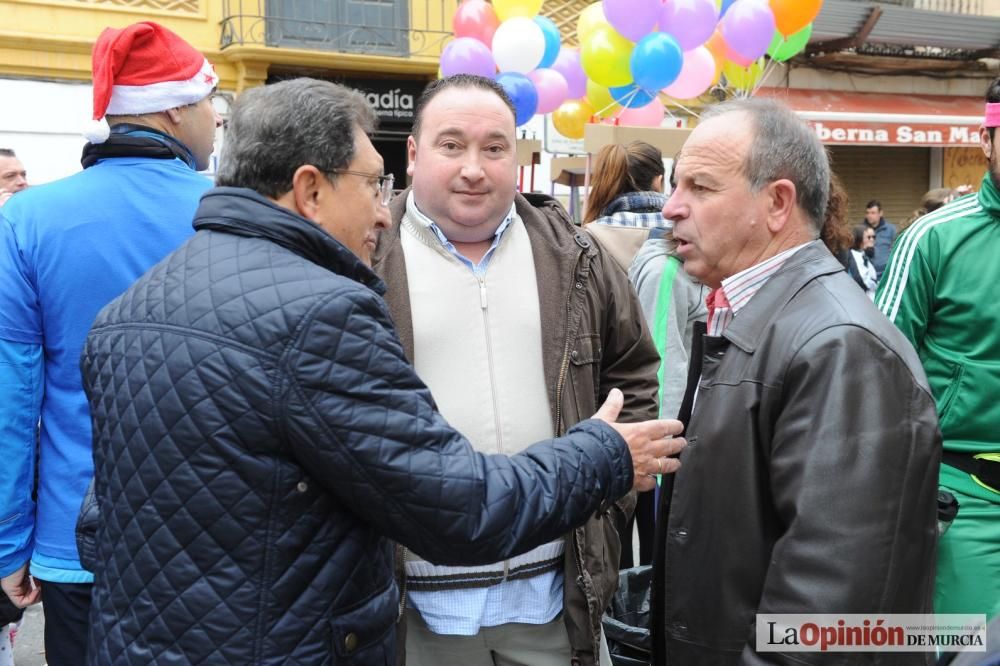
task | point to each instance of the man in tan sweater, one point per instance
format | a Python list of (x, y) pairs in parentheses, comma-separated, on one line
[(519, 324)]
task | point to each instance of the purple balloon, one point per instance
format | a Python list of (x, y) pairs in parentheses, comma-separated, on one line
[(568, 64), (633, 19), (690, 22), (748, 28), (467, 55)]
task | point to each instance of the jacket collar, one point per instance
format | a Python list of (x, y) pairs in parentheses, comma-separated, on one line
[(989, 197), (244, 212), (812, 261)]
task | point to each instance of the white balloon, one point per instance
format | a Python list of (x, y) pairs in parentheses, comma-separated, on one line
[(518, 45)]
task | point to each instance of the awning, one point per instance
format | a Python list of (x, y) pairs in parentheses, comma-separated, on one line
[(881, 119)]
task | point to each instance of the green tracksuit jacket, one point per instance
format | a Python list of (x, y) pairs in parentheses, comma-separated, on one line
[(940, 288)]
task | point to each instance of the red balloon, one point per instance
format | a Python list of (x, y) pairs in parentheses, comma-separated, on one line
[(476, 19)]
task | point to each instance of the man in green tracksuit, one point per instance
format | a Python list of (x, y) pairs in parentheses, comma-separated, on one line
[(940, 290)]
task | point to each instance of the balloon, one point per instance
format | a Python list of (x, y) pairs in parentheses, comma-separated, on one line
[(632, 18), (507, 9), (690, 22), (696, 75), (466, 55), (589, 18), (743, 78), (552, 39), (782, 48), (748, 27), (631, 96), (656, 61), (601, 100), (476, 19), (724, 6), (568, 64), (721, 51), (522, 92), (518, 45), (551, 87), (791, 16), (650, 115), (605, 57), (571, 118)]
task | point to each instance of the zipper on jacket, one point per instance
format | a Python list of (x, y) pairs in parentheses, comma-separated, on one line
[(564, 367), (402, 592)]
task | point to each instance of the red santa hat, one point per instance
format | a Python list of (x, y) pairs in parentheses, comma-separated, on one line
[(145, 68)]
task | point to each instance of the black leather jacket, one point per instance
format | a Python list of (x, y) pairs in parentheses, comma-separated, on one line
[(809, 481)]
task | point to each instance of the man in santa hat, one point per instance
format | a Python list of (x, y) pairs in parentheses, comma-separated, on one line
[(67, 249)]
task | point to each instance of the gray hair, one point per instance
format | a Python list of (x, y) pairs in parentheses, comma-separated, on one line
[(275, 129), (783, 147), (7, 152)]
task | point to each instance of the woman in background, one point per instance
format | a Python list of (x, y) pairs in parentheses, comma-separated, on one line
[(861, 267), (626, 198)]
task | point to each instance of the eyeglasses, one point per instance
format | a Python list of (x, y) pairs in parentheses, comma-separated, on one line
[(383, 185)]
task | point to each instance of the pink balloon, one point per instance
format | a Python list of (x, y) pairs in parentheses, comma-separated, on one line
[(690, 22), (467, 55), (476, 19), (748, 28), (552, 89), (568, 64), (633, 19), (650, 115), (696, 75)]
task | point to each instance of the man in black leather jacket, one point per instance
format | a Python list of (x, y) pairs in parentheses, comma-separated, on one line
[(259, 436), (809, 484)]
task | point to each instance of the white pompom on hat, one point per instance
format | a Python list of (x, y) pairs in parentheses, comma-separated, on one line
[(145, 68)]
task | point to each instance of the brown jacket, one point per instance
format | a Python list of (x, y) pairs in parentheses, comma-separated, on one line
[(594, 338)]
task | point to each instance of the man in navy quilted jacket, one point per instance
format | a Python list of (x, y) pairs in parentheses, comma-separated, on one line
[(259, 437)]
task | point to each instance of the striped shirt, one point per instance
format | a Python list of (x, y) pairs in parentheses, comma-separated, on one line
[(725, 302)]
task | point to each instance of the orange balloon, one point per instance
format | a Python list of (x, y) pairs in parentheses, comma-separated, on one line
[(790, 16), (572, 117)]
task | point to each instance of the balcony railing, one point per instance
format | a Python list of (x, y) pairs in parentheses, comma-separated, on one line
[(405, 28), (976, 7)]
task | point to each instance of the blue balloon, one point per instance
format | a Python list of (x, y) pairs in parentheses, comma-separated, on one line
[(656, 61), (522, 92), (631, 96), (552, 39), (725, 6)]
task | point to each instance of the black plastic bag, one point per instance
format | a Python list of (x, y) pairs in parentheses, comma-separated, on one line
[(626, 622)]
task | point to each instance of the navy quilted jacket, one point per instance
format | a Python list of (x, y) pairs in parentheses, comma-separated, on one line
[(259, 438)]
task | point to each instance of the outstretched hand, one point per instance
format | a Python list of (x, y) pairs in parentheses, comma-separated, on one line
[(651, 443)]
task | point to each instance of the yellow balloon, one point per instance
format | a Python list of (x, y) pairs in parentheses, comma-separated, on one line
[(571, 118), (601, 100), (606, 57), (589, 18), (743, 78), (506, 9)]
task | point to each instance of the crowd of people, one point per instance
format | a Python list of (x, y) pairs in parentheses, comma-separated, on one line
[(297, 417)]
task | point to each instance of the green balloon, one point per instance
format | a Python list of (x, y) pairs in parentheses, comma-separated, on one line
[(782, 48)]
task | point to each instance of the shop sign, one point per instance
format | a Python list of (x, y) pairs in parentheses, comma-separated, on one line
[(892, 134), (393, 101)]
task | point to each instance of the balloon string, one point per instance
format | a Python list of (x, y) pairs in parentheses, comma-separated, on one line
[(768, 70)]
